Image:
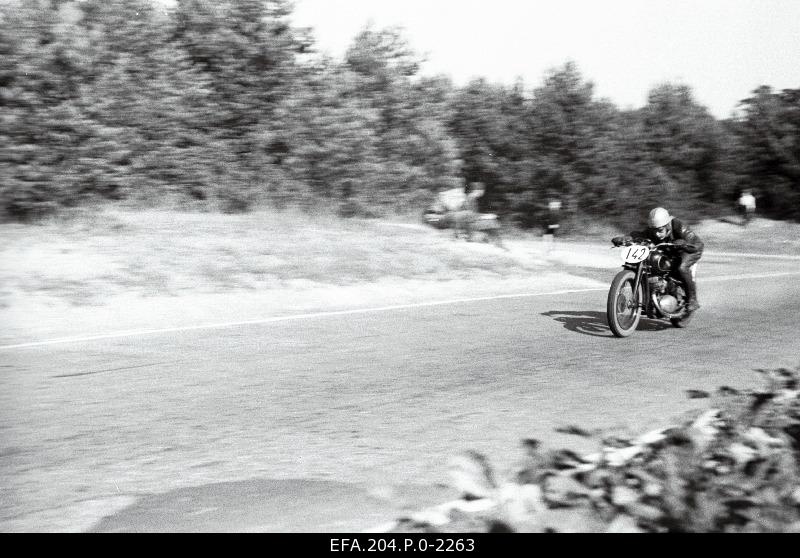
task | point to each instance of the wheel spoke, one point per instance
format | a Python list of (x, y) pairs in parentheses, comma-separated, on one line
[(626, 307)]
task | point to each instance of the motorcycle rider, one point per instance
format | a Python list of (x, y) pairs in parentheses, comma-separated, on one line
[(662, 227), (467, 215)]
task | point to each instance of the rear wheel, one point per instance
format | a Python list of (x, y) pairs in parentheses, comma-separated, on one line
[(623, 308)]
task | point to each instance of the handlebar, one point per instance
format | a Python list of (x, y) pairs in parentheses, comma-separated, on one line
[(649, 244)]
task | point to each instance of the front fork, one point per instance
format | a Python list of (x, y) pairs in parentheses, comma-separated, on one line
[(640, 303)]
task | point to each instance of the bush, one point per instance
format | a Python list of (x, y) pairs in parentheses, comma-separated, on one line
[(733, 468)]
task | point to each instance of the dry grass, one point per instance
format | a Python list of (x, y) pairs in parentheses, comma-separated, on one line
[(761, 235), (95, 254), (89, 255)]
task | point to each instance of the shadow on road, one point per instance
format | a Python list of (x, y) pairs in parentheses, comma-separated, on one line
[(595, 323), (733, 221), (273, 506)]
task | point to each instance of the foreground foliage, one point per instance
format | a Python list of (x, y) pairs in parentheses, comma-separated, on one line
[(733, 468)]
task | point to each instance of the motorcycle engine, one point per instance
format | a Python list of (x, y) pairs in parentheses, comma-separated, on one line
[(658, 285), (668, 303), (672, 287)]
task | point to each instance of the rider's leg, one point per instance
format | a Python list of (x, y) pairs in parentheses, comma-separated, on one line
[(686, 271), (469, 224), (459, 222)]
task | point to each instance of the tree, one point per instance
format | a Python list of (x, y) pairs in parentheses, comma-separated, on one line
[(330, 138), (570, 133), (46, 59), (769, 131), (247, 50), (486, 122), (382, 55), (682, 138), (415, 152)]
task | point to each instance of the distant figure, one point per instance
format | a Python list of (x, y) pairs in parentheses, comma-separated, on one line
[(473, 197), (553, 217), (747, 206), (468, 214)]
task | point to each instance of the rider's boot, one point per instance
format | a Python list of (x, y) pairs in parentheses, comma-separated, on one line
[(691, 291)]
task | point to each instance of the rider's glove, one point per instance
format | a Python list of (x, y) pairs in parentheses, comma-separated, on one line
[(618, 240), (680, 243)]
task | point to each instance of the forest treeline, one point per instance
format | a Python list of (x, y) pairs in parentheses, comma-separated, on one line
[(225, 105)]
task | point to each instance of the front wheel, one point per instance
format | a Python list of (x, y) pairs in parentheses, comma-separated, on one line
[(623, 309)]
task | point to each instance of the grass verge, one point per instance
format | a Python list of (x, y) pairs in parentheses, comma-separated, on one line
[(88, 256), (153, 253)]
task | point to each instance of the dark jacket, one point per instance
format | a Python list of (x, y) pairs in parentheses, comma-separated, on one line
[(680, 231)]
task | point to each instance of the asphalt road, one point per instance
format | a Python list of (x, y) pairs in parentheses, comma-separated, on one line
[(341, 422)]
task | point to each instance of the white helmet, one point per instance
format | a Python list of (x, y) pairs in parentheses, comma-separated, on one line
[(658, 218)]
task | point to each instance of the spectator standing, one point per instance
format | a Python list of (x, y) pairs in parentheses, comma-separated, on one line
[(553, 217), (747, 206)]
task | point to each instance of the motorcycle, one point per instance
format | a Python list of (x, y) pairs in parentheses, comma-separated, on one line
[(484, 226), (647, 284)]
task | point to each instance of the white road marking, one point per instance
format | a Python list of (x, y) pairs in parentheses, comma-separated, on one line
[(221, 325), (743, 255), (749, 276)]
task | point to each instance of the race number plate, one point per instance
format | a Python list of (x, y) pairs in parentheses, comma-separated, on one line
[(635, 253)]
